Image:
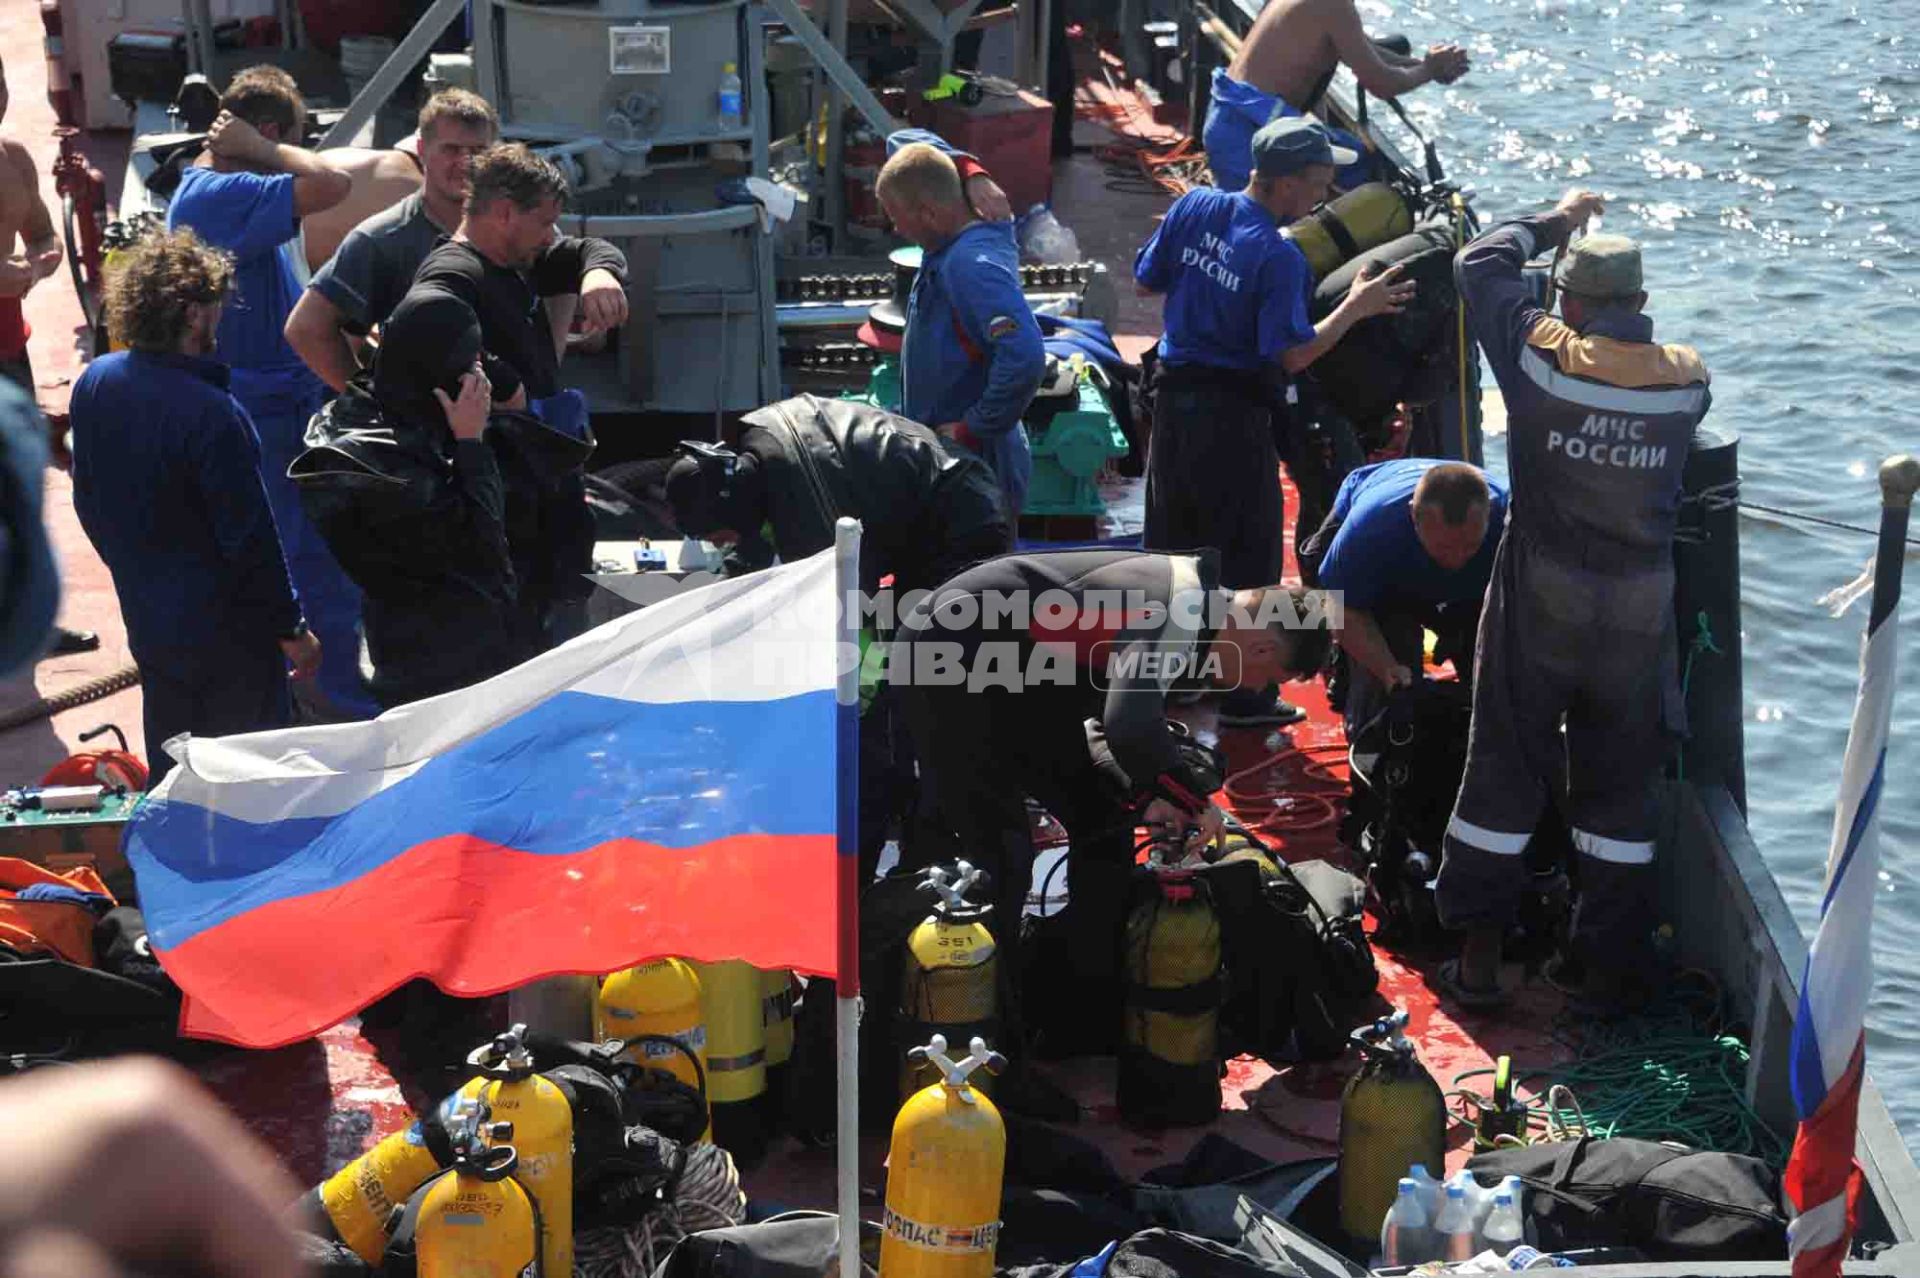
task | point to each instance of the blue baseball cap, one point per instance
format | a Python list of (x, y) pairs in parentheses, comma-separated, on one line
[(1294, 142)]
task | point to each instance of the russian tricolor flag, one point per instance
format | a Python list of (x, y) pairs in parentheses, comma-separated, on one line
[(1829, 1032), (666, 784)]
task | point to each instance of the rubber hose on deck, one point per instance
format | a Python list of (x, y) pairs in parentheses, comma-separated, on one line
[(94, 689)]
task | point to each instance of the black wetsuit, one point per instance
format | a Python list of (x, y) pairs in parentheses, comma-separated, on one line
[(1041, 644), (520, 352)]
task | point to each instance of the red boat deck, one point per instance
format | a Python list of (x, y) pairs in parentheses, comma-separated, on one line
[(321, 1103)]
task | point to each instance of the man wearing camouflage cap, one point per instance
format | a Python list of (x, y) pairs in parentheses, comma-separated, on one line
[(1577, 632)]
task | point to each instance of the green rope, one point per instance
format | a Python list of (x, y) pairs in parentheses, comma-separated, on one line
[(1669, 1076), (1703, 641)]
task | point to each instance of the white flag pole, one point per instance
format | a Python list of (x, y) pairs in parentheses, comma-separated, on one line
[(846, 546)]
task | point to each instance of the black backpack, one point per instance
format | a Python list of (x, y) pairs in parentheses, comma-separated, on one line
[(1298, 961), (1410, 357), (1672, 1204)]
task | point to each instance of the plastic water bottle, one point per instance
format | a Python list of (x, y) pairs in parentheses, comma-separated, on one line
[(1431, 1190), (1479, 1201), (733, 113), (1455, 1225), (1503, 1228), (1405, 1236)]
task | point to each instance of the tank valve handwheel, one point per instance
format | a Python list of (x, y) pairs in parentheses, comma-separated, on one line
[(955, 1073)]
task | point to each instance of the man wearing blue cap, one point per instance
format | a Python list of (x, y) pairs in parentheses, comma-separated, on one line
[(1236, 330)]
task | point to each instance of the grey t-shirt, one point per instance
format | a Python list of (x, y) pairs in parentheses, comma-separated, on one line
[(374, 266)]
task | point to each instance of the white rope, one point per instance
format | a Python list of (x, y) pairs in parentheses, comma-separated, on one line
[(708, 1196)]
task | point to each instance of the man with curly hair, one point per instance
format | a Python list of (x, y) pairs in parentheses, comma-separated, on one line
[(166, 483)]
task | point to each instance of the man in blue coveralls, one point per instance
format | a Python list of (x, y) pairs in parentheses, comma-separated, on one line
[(972, 356), (1575, 687), (1236, 329), (166, 483), (1283, 69), (1409, 545), (246, 195)]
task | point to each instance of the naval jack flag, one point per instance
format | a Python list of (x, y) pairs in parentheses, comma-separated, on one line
[(1829, 1038)]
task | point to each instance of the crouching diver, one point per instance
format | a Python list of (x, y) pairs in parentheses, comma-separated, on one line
[(398, 479), (1046, 676), (1575, 675), (926, 512)]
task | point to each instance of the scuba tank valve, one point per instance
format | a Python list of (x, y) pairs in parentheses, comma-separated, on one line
[(476, 1220), (1392, 1116), (543, 1126), (946, 1161), (950, 981)]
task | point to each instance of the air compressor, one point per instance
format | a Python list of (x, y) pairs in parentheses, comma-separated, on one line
[(950, 980), (944, 1171), (1392, 1116), (475, 1219), (1169, 1068), (731, 1004), (543, 1136), (651, 1007)]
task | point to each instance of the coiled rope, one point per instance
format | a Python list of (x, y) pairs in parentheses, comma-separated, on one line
[(707, 1196), (1670, 1075)]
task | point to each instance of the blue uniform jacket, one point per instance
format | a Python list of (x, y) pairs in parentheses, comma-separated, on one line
[(167, 486), (973, 351)]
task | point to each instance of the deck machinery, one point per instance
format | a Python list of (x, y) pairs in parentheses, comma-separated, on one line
[(626, 96)]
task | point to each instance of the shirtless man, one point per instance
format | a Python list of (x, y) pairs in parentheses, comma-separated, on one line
[(29, 248), (1283, 68), (29, 252)]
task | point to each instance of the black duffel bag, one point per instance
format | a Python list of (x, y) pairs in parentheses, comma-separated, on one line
[(1671, 1204), (1386, 360)]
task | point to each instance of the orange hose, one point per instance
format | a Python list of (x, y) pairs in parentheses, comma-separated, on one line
[(1287, 808)]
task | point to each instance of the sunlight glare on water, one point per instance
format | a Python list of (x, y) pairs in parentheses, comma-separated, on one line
[(1764, 152)]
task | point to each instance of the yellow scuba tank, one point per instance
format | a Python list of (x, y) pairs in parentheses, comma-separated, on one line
[(1340, 230), (660, 1001), (730, 999), (357, 1203), (1169, 1068), (476, 1220), (944, 1169), (950, 981), (776, 1013), (1392, 1115), (543, 1136)]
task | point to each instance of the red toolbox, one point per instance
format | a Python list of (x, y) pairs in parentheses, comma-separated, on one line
[(1011, 135)]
